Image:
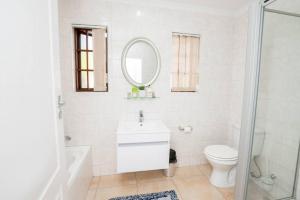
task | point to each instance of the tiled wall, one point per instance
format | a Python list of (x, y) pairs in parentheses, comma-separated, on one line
[(279, 100), (240, 30), (92, 118)]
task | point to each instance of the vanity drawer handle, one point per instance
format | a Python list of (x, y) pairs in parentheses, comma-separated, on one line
[(142, 143)]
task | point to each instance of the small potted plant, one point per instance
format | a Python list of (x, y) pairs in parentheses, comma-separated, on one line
[(135, 91), (142, 91)]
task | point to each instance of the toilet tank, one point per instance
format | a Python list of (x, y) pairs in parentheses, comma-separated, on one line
[(258, 142)]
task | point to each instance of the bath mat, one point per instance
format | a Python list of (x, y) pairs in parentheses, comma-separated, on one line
[(167, 195)]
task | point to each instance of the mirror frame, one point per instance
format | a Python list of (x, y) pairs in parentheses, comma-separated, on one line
[(124, 55)]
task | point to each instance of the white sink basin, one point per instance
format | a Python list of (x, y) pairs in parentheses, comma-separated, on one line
[(149, 126)]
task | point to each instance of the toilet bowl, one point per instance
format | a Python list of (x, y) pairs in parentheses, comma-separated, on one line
[(223, 160)]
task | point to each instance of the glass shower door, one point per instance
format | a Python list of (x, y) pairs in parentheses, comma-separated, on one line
[(274, 160)]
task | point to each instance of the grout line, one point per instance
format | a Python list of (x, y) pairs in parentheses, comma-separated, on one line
[(201, 170), (94, 197), (99, 179), (97, 188), (89, 190), (177, 189), (136, 182), (224, 198)]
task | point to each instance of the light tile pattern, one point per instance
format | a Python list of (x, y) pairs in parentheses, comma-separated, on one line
[(190, 183), (92, 118), (237, 84)]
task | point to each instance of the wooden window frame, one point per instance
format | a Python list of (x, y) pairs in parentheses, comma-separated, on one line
[(78, 69)]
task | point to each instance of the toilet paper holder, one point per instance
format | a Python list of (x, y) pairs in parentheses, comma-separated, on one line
[(185, 128)]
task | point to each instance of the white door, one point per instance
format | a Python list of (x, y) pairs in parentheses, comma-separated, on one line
[(31, 142)]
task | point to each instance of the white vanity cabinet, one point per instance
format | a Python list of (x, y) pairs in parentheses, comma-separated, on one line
[(142, 147)]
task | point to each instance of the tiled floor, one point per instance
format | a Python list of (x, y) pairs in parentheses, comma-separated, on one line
[(190, 183)]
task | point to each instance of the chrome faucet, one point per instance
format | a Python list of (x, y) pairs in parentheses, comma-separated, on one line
[(141, 117)]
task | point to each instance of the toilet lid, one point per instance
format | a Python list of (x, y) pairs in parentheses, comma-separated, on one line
[(221, 152)]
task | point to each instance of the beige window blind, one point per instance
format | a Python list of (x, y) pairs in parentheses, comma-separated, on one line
[(184, 77), (100, 74)]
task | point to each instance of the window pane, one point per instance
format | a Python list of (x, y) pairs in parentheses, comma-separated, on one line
[(83, 60), (82, 44), (83, 79), (91, 60), (90, 43), (91, 79)]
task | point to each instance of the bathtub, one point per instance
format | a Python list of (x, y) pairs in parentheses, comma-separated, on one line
[(79, 165)]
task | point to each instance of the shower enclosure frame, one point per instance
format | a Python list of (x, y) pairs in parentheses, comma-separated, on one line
[(253, 63)]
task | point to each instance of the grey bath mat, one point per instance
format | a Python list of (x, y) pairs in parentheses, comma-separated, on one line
[(167, 195)]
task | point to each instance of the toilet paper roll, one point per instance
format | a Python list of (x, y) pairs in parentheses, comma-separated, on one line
[(186, 129)]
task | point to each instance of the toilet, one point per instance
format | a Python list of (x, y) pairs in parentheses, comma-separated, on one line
[(223, 160)]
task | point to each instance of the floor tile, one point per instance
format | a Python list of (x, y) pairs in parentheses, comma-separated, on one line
[(117, 180), (197, 188), (94, 182), (157, 186), (190, 183), (206, 169), (150, 176), (91, 194), (111, 192), (227, 193), (188, 171)]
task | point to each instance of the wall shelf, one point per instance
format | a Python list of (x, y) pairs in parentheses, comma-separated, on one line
[(141, 98)]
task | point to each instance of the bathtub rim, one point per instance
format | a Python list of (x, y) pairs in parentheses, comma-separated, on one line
[(72, 175)]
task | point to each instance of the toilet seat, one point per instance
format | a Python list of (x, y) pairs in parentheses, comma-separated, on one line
[(221, 153)]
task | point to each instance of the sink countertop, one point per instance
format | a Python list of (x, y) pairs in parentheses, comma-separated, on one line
[(148, 126)]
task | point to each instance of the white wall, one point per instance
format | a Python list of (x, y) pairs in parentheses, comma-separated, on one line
[(29, 136), (92, 118), (279, 100), (240, 31)]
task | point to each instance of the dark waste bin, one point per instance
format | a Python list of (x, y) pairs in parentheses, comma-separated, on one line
[(172, 164)]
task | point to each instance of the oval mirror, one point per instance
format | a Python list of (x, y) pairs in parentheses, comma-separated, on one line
[(140, 62)]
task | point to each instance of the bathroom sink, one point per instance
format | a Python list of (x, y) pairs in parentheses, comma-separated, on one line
[(142, 146), (149, 126)]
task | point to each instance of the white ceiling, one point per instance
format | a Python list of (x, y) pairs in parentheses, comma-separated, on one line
[(222, 7), (217, 4)]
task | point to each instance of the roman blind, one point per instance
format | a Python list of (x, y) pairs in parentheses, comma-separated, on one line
[(186, 49)]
